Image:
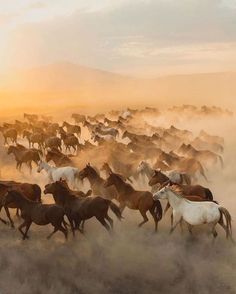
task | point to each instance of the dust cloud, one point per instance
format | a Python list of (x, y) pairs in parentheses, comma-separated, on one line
[(132, 260)]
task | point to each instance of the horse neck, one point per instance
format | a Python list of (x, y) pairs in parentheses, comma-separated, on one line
[(174, 200), (60, 196), (16, 152), (47, 167), (94, 178), (122, 187)]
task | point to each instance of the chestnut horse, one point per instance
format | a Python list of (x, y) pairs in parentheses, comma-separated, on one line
[(137, 200)]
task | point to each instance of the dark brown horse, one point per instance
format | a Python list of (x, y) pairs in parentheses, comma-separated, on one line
[(137, 200), (79, 209), (34, 212), (30, 191)]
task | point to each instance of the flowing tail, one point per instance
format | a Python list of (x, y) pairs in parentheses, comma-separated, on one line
[(115, 209), (224, 212), (158, 209), (37, 192)]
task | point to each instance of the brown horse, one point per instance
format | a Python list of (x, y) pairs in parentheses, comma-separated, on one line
[(188, 165), (159, 177), (73, 129), (26, 156), (9, 133), (137, 200), (82, 208), (69, 140), (30, 191), (34, 212), (58, 158), (108, 170), (97, 183), (204, 156), (53, 142)]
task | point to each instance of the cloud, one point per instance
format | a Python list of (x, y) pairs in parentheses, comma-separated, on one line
[(37, 5), (131, 34)]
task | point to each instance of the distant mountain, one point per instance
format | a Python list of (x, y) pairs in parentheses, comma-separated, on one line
[(61, 83)]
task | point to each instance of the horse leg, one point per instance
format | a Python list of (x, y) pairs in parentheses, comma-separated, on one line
[(167, 207), (103, 222), (1, 219), (71, 226), (17, 212), (176, 224), (82, 226), (53, 232), (152, 211), (24, 224), (122, 207), (145, 218), (64, 231), (213, 231), (190, 227), (9, 216), (26, 230), (110, 220)]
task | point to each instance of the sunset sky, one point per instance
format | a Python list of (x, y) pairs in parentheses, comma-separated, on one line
[(134, 37)]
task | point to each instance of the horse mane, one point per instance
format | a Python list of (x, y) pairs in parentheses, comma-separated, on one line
[(121, 178), (177, 189), (178, 192)]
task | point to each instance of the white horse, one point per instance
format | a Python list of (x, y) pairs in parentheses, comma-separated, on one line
[(195, 213), (68, 173)]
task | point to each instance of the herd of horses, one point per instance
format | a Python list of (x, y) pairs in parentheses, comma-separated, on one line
[(127, 152)]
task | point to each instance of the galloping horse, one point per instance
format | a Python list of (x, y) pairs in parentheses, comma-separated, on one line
[(68, 173), (82, 208), (195, 213), (137, 200), (97, 183), (34, 212)]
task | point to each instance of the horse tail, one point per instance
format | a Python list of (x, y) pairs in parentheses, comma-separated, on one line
[(158, 209), (209, 195), (202, 172), (115, 209), (37, 192), (226, 214), (221, 161)]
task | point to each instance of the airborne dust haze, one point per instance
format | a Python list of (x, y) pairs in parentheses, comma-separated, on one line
[(132, 260)]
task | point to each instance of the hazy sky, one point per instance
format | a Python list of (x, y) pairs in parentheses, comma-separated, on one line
[(138, 37)]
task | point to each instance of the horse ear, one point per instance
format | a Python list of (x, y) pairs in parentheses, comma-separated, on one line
[(88, 164)]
